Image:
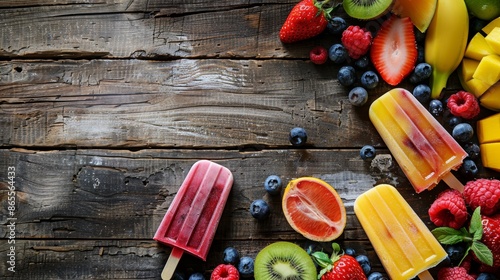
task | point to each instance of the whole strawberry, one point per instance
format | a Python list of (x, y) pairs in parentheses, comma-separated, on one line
[(338, 266), (484, 193), (491, 238), (307, 19)]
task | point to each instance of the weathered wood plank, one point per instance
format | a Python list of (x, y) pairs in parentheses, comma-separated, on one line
[(181, 103)]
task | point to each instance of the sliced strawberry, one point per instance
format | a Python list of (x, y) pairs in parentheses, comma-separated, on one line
[(394, 50)]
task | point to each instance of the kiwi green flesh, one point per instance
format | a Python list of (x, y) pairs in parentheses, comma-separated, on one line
[(366, 9), (284, 261)]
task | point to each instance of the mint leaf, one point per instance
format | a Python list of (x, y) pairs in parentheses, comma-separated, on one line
[(447, 235), (476, 227), (482, 252)]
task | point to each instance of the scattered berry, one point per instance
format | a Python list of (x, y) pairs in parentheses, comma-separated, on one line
[(259, 209), (338, 266), (449, 210), (469, 168), (245, 267), (454, 273), (376, 276), (230, 256), (393, 51), (436, 107), (456, 253), (362, 62), (225, 272), (356, 40), (346, 75), (491, 238), (420, 54), (463, 132), (304, 21), (337, 53), (421, 72), (369, 80), (358, 96), (473, 150), (298, 136), (453, 121), (273, 184), (336, 25), (367, 152), (197, 276), (422, 93), (463, 104), (486, 276), (484, 193), (318, 55), (350, 251), (364, 262)]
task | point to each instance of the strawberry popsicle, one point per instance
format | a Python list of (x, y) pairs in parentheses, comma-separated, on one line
[(424, 150), (403, 243), (192, 218)]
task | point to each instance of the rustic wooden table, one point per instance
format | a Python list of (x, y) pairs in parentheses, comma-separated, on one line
[(105, 105)]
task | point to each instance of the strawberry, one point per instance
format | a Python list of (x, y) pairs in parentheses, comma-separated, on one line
[(491, 238), (394, 50), (338, 266), (307, 19)]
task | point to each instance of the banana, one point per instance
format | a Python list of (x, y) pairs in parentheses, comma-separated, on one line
[(445, 41)]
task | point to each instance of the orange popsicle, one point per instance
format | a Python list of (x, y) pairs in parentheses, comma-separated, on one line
[(424, 150), (191, 220), (404, 244)]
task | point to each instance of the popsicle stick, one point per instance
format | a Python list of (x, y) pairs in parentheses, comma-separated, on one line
[(173, 260), (425, 275), (453, 182)]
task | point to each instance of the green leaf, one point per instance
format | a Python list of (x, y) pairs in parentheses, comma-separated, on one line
[(321, 258), (482, 252), (476, 227), (447, 235)]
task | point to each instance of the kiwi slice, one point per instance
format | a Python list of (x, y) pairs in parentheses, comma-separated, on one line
[(366, 9), (284, 261)]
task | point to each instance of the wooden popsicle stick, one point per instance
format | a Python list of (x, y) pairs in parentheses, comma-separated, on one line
[(173, 260), (453, 182), (425, 275)]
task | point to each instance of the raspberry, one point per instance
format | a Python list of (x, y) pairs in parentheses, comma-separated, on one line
[(463, 104), (318, 55), (225, 272), (356, 40), (449, 210), (454, 273), (484, 193)]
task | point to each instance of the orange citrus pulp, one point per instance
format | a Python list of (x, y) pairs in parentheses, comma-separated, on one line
[(314, 209)]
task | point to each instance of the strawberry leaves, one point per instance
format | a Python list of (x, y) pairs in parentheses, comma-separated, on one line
[(472, 237)]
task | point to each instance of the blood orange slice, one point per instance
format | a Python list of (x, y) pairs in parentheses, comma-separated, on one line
[(314, 209)]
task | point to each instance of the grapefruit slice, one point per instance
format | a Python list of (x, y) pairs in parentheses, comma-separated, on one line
[(314, 209), (420, 12)]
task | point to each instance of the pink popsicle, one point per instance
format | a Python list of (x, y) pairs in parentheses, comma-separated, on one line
[(191, 220)]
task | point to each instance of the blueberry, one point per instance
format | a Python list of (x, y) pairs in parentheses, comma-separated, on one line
[(336, 25), (231, 256), (486, 276), (436, 107), (369, 79), (337, 53), (273, 184), (463, 132), (367, 152), (350, 251), (420, 53), (259, 209), (364, 262), (197, 276), (469, 168), (453, 121), (472, 150), (422, 72), (312, 246), (358, 96), (422, 93), (298, 136), (346, 75), (362, 62), (456, 252), (245, 267), (376, 276)]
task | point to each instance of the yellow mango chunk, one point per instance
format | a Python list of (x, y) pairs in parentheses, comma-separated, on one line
[(489, 155), (469, 66), (494, 23), (488, 69), (493, 40), (476, 87), (488, 129), (478, 48), (491, 100)]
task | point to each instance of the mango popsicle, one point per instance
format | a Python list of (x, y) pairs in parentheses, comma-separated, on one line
[(424, 150), (192, 218), (404, 244)]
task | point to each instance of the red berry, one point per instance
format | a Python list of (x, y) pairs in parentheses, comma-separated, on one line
[(484, 193), (345, 268), (491, 238), (318, 55), (463, 104), (304, 21), (356, 40), (449, 210), (225, 272), (454, 273)]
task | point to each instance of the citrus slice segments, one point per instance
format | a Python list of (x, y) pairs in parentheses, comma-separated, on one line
[(314, 209)]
